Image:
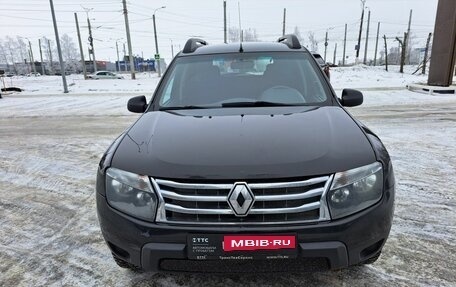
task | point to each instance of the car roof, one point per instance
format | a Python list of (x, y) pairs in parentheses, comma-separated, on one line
[(246, 48)]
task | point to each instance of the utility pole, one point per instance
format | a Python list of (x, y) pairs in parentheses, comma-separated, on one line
[(41, 58), (335, 52), (172, 48), (31, 57), (284, 21), (367, 36), (30, 61), (345, 45), (240, 27), (326, 44), (92, 48), (118, 61), (51, 68), (386, 53), (130, 50), (225, 36), (376, 44), (360, 31), (59, 50), (81, 51), (125, 55), (408, 34), (426, 53)]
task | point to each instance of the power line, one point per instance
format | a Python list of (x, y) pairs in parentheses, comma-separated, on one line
[(60, 11)]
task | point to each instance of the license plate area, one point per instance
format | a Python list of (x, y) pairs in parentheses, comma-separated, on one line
[(241, 247)]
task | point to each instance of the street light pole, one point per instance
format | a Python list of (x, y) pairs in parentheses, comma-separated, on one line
[(157, 55)]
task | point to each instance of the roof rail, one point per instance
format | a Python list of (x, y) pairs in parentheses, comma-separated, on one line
[(193, 44), (290, 40)]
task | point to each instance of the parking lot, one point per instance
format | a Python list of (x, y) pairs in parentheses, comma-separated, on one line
[(49, 236)]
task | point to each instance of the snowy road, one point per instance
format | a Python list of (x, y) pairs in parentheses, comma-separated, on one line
[(49, 234)]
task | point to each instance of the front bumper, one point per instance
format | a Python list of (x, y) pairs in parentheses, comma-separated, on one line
[(161, 247)]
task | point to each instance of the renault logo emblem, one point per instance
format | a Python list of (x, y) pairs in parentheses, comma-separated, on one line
[(241, 199)]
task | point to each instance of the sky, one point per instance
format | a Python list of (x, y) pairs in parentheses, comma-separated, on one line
[(182, 19)]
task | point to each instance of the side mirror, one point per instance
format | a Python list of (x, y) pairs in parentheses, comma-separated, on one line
[(137, 104), (351, 98)]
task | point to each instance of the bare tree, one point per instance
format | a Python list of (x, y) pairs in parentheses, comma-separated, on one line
[(313, 42), (4, 55), (22, 47), (403, 48), (69, 51), (298, 34), (233, 34), (11, 52), (250, 35), (394, 56)]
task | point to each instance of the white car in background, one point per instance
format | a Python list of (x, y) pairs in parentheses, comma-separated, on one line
[(101, 75)]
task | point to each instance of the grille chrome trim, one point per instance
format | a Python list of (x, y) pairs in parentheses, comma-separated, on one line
[(302, 208), (193, 185), (304, 195), (176, 196), (166, 196), (176, 208), (251, 185)]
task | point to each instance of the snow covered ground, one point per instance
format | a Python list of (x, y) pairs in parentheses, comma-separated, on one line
[(50, 145), (52, 85), (359, 77)]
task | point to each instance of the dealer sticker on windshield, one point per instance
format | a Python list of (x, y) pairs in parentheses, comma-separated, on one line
[(241, 247)]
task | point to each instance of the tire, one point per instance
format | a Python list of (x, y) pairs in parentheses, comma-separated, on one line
[(372, 259), (124, 264)]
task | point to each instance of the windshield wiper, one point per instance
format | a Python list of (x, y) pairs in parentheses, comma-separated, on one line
[(257, 104), (190, 107)]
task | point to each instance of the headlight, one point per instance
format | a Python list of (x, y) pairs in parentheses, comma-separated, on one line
[(131, 193), (355, 190)]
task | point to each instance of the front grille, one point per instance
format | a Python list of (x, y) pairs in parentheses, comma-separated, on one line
[(274, 203)]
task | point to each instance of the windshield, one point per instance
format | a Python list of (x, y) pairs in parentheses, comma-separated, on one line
[(243, 79)]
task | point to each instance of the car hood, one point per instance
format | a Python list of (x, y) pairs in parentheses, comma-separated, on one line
[(243, 143)]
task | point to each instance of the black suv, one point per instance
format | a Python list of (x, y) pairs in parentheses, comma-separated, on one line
[(245, 159)]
